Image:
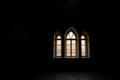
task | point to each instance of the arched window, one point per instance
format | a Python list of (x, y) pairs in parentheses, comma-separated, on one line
[(57, 45), (85, 51), (71, 43)]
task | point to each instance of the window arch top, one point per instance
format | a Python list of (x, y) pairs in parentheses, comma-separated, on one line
[(82, 37), (71, 35), (58, 37)]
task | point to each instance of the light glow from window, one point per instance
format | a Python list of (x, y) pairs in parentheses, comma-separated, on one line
[(58, 46), (71, 45), (83, 46)]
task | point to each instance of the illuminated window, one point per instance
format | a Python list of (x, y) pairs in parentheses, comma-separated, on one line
[(70, 47), (71, 44), (57, 46), (85, 53)]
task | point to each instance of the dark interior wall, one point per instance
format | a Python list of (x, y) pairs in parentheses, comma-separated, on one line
[(27, 36)]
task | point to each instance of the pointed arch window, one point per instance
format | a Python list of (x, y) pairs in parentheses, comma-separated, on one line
[(85, 53), (71, 44), (57, 46)]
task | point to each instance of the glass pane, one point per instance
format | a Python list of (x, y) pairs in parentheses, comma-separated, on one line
[(74, 47), (73, 42), (73, 54), (68, 51), (68, 36), (58, 51), (58, 37), (58, 41), (71, 34), (83, 49), (58, 47), (82, 37), (83, 54), (73, 50), (83, 42), (68, 48), (58, 54), (68, 54), (68, 42), (73, 37)]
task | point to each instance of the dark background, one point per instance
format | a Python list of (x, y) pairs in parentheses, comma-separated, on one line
[(27, 32)]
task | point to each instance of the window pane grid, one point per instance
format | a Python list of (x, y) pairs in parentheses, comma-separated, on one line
[(83, 54), (71, 45), (83, 46), (71, 35), (58, 54), (58, 47)]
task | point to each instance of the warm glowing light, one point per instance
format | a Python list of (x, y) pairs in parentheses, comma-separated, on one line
[(58, 46), (73, 54), (58, 42), (83, 42), (74, 42), (68, 42), (58, 37), (71, 35), (68, 47), (68, 54), (71, 45), (68, 36), (73, 48), (83, 47), (82, 37), (58, 54)]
